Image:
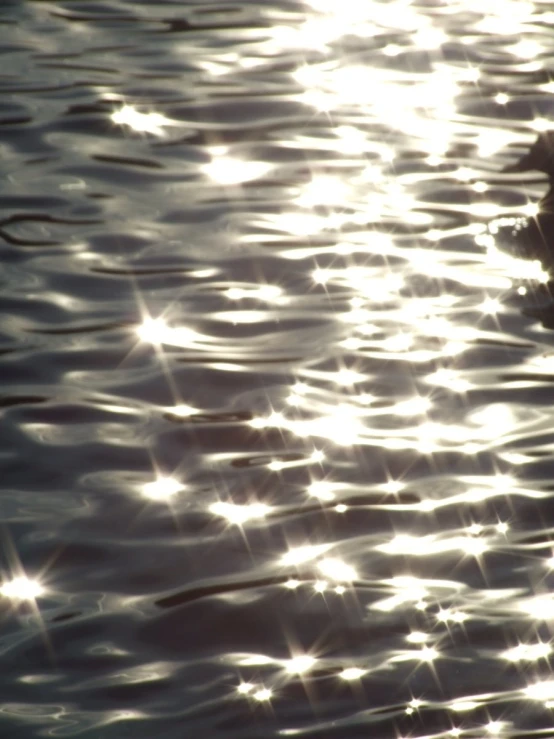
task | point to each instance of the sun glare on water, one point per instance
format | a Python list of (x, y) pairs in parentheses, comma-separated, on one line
[(333, 336), (21, 588)]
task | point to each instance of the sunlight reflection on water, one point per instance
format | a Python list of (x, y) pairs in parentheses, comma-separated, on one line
[(292, 464)]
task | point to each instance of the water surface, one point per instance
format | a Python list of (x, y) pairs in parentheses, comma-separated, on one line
[(277, 431)]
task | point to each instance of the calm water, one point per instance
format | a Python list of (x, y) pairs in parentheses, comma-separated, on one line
[(277, 439)]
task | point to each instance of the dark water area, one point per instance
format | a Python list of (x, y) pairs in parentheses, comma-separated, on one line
[(276, 378)]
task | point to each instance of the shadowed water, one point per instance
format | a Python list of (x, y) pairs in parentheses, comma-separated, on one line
[(276, 379)]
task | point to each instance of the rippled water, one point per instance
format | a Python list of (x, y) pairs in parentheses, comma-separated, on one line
[(277, 433)]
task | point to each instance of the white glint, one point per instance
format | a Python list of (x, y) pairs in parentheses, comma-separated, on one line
[(300, 664), (540, 691), (302, 554), (417, 637), (21, 588), (422, 546), (156, 331), (539, 607), (256, 660), (322, 489), (491, 306), (292, 584), (336, 569), (495, 728), (230, 171), (526, 49), (153, 123), (267, 293), (182, 410), (162, 489), (413, 407), (527, 652), (264, 694), (447, 615), (349, 377), (323, 190), (393, 486), (462, 706), (352, 673), (240, 514)]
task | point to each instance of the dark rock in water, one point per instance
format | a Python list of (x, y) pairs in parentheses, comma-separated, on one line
[(532, 236), (540, 157)]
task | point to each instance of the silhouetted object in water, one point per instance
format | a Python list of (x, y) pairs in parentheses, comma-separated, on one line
[(533, 236), (540, 157)]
